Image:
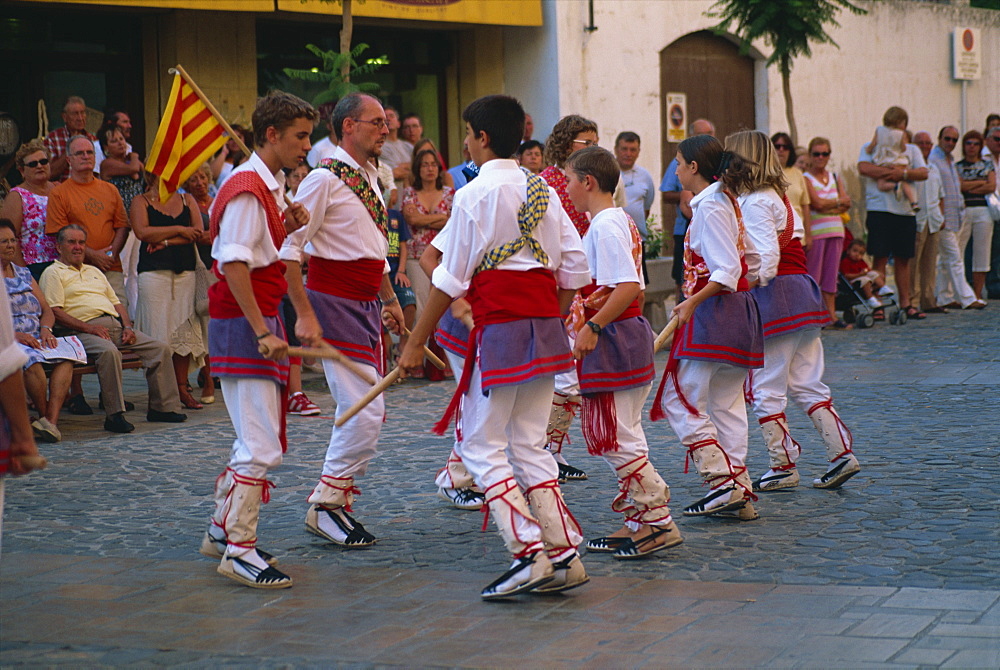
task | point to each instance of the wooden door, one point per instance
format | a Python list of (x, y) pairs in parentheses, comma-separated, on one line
[(718, 82)]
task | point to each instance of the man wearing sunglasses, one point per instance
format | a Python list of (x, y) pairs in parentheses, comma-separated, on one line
[(74, 115), (951, 287)]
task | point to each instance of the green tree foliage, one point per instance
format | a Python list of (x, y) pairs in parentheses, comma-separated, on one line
[(789, 27), (332, 73)]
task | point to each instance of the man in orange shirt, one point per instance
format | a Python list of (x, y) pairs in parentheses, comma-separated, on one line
[(97, 207)]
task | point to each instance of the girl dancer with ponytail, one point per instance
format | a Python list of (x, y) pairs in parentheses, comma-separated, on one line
[(792, 313), (719, 337)]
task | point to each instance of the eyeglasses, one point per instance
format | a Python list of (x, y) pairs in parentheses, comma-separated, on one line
[(782, 147), (586, 143), (949, 139), (378, 123), (821, 154), (34, 164), (84, 152)]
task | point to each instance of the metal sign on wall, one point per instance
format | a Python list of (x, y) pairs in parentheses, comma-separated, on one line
[(966, 54), (676, 117)]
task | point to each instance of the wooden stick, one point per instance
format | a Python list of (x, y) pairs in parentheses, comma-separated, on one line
[(329, 353), (218, 117), (665, 334), (431, 356), (375, 391)]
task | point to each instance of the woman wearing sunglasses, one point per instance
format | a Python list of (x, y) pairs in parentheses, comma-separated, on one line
[(788, 156), (25, 207)]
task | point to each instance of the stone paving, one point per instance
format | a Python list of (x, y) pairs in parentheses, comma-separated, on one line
[(898, 568)]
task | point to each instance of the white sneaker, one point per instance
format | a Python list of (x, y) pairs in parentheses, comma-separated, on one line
[(874, 303), (885, 290), (469, 498)]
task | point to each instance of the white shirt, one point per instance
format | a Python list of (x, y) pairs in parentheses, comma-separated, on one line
[(713, 235), (886, 201), (243, 233), (608, 245), (930, 218), (340, 228), (764, 216), (322, 149), (484, 217)]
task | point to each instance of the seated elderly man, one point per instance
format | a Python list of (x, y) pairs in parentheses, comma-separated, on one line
[(85, 305)]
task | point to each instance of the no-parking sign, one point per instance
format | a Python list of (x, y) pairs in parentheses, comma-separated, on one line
[(967, 53)]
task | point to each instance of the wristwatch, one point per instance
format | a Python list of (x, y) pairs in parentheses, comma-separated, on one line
[(594, 327)]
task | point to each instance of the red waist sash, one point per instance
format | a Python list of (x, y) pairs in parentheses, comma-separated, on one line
[(353, 280), (499, 296), (793, 259), (268, 284), (631, 311)]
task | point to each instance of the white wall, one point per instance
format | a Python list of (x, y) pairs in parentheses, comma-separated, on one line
[(898, 54)]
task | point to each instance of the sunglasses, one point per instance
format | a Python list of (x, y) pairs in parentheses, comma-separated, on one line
[(785, 147), (977, 142), (34, 164), (821, 154)]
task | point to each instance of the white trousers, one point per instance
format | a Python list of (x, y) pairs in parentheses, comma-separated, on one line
[(631, 438), (353, 445), (715, 390), (255, 406), (793, 364), (977, 224), (503, 434), (951, 284)]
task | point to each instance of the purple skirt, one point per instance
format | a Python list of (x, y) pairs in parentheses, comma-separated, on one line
[(725, 328), (521, 351), (623, 358), (452, 335), (232, 346), (353, 326), (790, 303)]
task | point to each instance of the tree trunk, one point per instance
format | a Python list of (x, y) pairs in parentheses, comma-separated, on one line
[(345, 41), (786, 88)]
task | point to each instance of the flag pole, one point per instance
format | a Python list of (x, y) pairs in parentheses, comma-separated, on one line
[(178, 69)]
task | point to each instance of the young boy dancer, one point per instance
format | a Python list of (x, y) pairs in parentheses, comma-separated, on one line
[(248, 227), (511, 243), (614, 346)]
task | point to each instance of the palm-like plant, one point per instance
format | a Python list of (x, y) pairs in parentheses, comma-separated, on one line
[(788, 26), (339, 72)]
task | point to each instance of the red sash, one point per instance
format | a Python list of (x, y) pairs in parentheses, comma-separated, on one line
[(632, 310), (793, 256), (353, 280), (268, 283), (499, 296)]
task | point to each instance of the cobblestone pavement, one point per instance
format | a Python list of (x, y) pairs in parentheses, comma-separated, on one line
[(899, 567)]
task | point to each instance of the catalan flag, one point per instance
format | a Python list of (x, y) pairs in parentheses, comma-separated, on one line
[(188, 136)]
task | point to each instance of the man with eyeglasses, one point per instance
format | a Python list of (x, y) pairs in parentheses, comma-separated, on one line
[(951, 287), (347, 298), (97, 207), (74, 115)]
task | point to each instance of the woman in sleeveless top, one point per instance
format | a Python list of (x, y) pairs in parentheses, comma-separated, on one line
[(827, 201), (25, 208), (168, 232)]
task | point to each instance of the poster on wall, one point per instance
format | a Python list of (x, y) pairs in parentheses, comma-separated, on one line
[(676, 117), (967, 53)]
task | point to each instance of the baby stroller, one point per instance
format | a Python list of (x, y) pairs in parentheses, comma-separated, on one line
[(859, 312)]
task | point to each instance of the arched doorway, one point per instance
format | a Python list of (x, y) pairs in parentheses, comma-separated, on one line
[(718, 81)]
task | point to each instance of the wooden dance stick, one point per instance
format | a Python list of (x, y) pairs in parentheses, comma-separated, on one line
[(665, 334), (329, 353), (431, 356), (375, 391)]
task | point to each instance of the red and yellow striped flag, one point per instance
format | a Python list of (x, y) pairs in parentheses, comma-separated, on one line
[(188, 136)]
